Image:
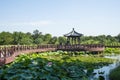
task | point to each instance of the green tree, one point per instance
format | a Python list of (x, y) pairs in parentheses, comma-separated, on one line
[(16, 38), (62, 40), (47, 38), (37, 37), (6, 38), (53, 40), (36, 34), (118, 37), (22, 38), (39, 41)]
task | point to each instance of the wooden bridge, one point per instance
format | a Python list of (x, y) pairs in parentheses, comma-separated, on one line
[(8, 54)]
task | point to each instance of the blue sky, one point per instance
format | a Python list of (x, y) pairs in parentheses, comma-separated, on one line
[(58, 17)]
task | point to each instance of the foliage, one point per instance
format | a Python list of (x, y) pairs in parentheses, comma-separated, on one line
[(22, 38), (7, 38), (115, 74), (52, 66), (100, 39), (38, 41), (53, 40), (118, 37), (61, 40), (112, 51), (47, 38)]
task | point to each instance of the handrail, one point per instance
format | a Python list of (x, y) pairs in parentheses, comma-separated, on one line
[(9, 51), (7, 54)]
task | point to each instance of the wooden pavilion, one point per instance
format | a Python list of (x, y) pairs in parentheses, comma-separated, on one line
[(73, 37)]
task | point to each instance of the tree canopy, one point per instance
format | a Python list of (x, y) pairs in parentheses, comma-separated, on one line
[(15, 38)]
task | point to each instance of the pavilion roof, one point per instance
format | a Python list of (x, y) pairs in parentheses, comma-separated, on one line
[(73, 33)]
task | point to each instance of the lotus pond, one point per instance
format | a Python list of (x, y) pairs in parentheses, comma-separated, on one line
[(55, 66)]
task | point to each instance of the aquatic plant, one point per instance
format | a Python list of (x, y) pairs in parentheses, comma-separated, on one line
[(112, 50), (115, 74), (52, 66)]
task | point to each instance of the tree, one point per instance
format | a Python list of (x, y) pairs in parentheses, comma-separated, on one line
[(53, 40), (16, 38), (47, 38), (38, 41), (62, 40), (37, 37), (25, 39), (22, 38), (36, 34), (6, 38), (118, 37)]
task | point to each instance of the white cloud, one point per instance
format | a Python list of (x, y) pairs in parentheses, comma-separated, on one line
[(34, 23), (42, 23)]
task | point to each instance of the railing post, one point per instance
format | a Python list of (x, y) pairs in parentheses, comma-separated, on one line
[(0, 53)]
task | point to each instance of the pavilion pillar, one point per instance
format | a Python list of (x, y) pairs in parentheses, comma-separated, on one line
[(75, 40), (78, 40), (72, 40), (68, 40)]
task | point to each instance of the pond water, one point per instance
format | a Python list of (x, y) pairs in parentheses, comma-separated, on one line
[(105, 70)]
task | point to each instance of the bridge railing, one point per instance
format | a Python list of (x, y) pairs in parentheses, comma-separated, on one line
[(79, 47), (7, 54), (9, 51)]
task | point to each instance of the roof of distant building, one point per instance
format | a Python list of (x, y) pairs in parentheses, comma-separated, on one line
[(73, 33)]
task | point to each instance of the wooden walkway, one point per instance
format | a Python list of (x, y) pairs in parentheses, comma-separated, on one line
[(8, 54), (78, 47)]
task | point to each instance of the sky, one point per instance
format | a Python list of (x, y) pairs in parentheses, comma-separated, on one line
[(58, 17)]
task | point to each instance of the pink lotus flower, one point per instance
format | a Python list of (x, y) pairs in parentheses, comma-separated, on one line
[(49, 64)]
